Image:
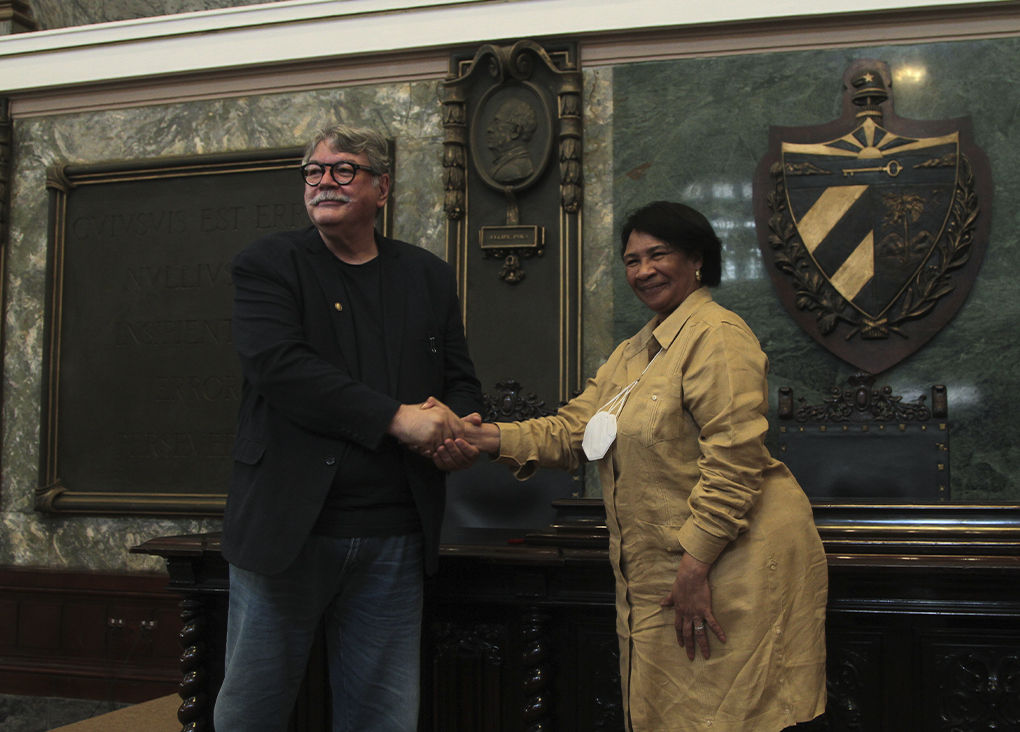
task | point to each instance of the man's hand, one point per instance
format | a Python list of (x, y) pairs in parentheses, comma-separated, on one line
[(423, 427), (462, 452)]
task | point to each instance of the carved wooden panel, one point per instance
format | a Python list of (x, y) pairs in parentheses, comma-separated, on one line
[(467, 676), (599, 702), (87, 635), (854, 684), (970, 683)]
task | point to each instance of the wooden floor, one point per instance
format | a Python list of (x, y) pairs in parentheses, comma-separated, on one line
[(158, 715)]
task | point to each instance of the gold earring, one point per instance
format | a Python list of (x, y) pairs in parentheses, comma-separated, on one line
[(697, 275)]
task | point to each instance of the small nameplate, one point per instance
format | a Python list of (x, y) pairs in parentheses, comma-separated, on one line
[(512, 237)]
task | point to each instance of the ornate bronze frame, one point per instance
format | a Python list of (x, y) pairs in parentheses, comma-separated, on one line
[(52, 495), (551, 75)]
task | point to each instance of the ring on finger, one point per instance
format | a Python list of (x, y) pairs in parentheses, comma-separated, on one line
[(700, 628)]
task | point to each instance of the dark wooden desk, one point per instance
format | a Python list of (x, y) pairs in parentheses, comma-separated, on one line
[(923, 627)]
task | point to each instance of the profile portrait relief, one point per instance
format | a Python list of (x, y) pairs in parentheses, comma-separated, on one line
[(512, 127)]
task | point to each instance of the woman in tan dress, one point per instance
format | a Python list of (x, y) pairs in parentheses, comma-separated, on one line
[(721, 578)]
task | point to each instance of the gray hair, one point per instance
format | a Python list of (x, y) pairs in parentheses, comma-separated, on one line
[(347, 139)]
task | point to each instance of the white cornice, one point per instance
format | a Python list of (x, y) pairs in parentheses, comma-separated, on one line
[(319, 30)]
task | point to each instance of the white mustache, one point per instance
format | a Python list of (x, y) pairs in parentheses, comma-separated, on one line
[(329, 196)]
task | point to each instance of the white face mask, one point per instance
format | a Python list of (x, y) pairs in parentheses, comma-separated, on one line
[(600, 432)]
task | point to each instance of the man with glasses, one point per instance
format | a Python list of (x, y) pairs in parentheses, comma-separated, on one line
[(355, 369)]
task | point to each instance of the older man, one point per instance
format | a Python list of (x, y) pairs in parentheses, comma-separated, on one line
[(335, 507)]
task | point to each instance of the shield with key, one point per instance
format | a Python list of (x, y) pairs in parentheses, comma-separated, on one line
[(873, 226)]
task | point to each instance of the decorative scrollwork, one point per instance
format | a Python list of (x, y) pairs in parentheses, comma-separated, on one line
[(510, 405), (863, 403), (521, 60), (846, 692), (46, 497), (480, 640), (979, 692), (512, 272)]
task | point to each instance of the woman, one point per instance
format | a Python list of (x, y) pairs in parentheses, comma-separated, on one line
[(720, 575)]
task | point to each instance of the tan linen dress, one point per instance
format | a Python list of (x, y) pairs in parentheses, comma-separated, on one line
[(689, 472)]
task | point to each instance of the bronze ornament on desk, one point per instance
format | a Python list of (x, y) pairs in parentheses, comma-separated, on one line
[(873, 226)]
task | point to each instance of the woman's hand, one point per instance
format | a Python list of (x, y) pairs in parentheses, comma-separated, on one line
[(461, 453), (691, 598)]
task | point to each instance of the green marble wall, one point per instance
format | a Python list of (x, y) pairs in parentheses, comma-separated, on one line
[(689, 129), (49, 14), (694, 130)]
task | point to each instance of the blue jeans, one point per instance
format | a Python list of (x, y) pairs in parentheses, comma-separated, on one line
[(369, 592)]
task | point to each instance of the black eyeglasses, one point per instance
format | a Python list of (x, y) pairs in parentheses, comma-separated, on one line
[(342, 171)]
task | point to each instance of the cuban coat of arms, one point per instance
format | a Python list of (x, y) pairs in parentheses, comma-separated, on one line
[(873, 226)]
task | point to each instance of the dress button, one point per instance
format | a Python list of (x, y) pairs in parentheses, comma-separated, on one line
[(654, 397), (330, 461), (338, 306)]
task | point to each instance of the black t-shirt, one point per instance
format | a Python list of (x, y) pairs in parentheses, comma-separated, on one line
[(370, 495)]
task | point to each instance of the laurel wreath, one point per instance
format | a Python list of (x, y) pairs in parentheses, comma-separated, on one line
[(932, 282)]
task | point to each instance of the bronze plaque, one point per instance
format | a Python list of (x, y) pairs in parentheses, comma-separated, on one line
[(143, 378), (512, 177), (873, 226), (516, 237)]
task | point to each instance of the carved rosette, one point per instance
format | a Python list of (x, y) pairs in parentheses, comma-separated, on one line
[(510, 405), (194, 688), (862, 403), (979, 691), (537, 673), (480, 640)]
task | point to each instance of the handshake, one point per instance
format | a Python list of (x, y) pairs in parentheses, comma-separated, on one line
[(432, 430)]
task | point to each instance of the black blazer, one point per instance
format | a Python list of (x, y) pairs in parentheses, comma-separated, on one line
[(301, 408)]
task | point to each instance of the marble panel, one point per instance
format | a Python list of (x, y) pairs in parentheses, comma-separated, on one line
[(694, 130), (50, 14), (598, 251), (409, 113)]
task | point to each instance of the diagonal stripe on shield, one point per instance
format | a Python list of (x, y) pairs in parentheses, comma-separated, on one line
[(870, 217)]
